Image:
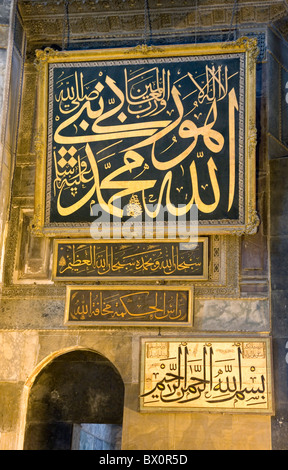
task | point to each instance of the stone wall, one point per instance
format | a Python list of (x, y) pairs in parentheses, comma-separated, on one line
[(278, 166), (234, 301), (12, 46), (33, 350)]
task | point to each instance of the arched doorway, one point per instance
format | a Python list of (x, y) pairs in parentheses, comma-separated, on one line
[(75, 402)]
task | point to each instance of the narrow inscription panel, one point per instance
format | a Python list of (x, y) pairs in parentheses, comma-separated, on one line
[(99, 259), (141, 305)]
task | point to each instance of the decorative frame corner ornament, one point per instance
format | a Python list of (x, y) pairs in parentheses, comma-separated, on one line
[(207, 123)]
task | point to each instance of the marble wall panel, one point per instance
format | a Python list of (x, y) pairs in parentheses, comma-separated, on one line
[(18, 351), (232, 315), (250, 314), (193, 431)]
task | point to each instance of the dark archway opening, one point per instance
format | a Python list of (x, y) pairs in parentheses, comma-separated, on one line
[(77, 398)]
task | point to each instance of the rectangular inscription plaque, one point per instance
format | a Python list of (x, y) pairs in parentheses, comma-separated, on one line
[(208, 374), (146, 135), (84, 259), (135, 306)]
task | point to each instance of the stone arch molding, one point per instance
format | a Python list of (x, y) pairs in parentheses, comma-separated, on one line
[(48, 359), (38, 369)]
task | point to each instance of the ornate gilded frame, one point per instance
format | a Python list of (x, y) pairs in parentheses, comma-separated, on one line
[(245, 47)]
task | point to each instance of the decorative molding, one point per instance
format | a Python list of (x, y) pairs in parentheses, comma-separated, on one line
[(242, 50), (115, 20)]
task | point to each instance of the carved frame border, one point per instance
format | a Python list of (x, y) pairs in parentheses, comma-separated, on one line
[(243, 45)]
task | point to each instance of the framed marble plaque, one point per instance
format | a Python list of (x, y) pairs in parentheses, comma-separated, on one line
[(206, 374)]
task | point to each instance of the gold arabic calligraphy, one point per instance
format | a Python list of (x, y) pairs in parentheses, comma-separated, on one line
[(152, 130), (143, 259), (145, 305), (206, 374)]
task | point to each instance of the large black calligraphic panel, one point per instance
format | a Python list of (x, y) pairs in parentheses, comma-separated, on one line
[(147, 139), (206, 374), (135, 306), (82, 259)]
